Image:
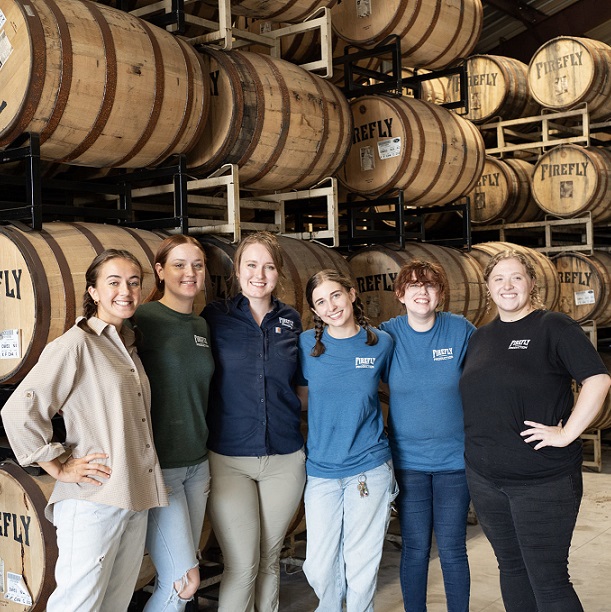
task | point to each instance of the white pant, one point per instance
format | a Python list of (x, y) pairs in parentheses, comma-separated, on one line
[(100, 553)]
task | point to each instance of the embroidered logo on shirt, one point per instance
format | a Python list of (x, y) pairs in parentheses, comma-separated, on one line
[(442, 354), (364, 362), (278, 330), (201, 341), (519, 344), (286, 322)]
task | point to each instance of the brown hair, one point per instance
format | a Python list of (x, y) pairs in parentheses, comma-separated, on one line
[(535, 296), (90, 308), (420, 271), (161, 257), (270, 242), (359, 312)]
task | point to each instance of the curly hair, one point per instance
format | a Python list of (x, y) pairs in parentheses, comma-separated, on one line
[(358, 310), (420, 271), (535, 296)]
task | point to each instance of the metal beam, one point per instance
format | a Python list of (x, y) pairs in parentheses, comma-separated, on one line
[(518, 10), (575, 20)]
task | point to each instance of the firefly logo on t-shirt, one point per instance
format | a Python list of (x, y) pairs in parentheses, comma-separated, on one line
[(201, 341), (519, 344), (442, 354), (365, 362), (286, 322)]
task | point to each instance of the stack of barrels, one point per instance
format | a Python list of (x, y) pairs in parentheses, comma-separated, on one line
[(105, 89)]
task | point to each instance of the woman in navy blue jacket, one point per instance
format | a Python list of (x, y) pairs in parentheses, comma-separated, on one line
[(257, 461)]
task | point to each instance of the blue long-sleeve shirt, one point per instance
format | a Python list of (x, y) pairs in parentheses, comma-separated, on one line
[(253, 409)]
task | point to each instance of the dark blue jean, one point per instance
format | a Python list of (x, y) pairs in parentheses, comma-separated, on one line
[(530, 525), (439, 502)]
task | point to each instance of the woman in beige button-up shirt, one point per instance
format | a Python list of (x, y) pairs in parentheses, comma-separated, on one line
[(93, 375)]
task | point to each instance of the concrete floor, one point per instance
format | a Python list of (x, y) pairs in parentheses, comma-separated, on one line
[(590, 563)]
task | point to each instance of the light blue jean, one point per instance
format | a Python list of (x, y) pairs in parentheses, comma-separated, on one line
[(100, 553), (346, 536), (174, 531)]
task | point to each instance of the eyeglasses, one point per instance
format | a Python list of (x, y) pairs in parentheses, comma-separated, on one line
[(418, 286)]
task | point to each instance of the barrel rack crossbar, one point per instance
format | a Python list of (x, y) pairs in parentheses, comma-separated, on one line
[(223, 34), (227, 213), (547, 130), (592, 435), (558, 235)]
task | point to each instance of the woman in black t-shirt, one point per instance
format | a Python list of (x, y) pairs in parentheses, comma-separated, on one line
[(522, 448)]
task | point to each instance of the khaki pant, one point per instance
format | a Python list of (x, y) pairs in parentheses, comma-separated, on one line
[(252, 501)]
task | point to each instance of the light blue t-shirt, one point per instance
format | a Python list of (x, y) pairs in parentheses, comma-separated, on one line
[(345, 425), (425, 420)]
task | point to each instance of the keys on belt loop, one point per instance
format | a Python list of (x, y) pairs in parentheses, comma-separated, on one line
[(362, 486)]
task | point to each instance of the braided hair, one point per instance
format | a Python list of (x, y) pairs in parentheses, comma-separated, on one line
[(359, 311)]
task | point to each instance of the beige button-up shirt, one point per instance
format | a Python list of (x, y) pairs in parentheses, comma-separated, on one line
[(99, 384)]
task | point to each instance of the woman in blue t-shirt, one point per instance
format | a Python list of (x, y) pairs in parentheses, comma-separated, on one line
[(427, 435), (350, 482)]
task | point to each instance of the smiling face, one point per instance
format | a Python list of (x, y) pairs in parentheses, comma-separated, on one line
[(420, 298), (333, 304), (510, 288), (257, 273), (117, 291), (183, 275)]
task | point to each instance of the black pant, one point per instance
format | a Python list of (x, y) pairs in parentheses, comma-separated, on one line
[(530, 525)]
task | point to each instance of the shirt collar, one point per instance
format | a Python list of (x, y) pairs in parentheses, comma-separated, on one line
[(98, 326), (242, 302)]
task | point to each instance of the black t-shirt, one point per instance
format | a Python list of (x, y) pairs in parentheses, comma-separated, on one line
[(523, 371)]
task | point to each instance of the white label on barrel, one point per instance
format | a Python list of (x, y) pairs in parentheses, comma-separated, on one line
[(2, 19), (363, 8), (5, 48), (367, 159), (390, 147), (16, 589), (584, 297), (10, 347)]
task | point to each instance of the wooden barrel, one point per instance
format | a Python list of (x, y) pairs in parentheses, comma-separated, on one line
[(585, 286), (497, 89), (567, 71), (603, 418), (570, 180), (303, 47), (434, 155), (503, 193), (547, 279), (433, 33), (283, 126), (434, 91), (375, 269), (43, 282), (302, 259), (101, 87), (28, 543)]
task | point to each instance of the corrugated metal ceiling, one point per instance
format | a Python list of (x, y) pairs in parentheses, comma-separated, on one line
[(505, 34)]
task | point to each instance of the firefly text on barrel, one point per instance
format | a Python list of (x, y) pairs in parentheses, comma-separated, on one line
[(16, 527), (375, 282), (575, 278), (11, 279), (382, 128), (553, 65), (569, 169)]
